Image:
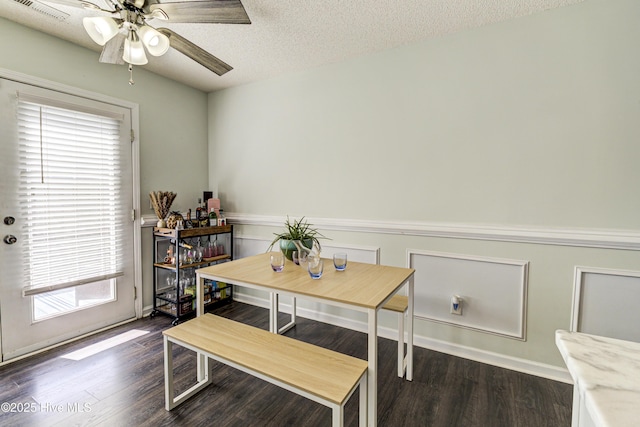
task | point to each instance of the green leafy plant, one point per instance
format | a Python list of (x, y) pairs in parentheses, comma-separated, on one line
[(298, 230)]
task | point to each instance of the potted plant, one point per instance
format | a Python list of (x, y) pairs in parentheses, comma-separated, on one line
[(296, 231)]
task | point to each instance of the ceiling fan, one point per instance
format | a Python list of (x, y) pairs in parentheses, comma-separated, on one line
[(125, 33)]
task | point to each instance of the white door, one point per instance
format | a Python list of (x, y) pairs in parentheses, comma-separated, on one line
[(66, 202)]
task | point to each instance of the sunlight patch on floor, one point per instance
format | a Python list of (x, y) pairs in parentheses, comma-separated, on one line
[(104, 345)]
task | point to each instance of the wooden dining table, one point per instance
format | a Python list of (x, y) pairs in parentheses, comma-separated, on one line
[(361, 287)]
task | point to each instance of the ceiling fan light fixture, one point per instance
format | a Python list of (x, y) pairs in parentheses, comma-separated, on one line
[(100, 29), (134, 50), (156, 43)]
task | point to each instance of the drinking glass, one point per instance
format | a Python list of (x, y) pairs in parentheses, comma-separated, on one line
[(295, 257), (277, 261), (198, 252), (302, 259), (171, 281), (315, 267), (340, 261), (208, 250)]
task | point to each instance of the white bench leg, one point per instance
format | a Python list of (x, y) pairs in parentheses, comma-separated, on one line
[(203, 375), (401, 354), (337, 411), (168, 374), (363, 401)]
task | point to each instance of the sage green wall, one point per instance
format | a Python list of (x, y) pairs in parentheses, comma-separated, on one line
[(173, 117), (530, 122)]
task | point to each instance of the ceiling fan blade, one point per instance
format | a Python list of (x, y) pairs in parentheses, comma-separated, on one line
[(208, 11), (196, 53), (113, 50)]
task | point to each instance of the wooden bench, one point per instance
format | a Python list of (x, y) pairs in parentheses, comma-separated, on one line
[(397, 303), (400, 304), (319, 374)]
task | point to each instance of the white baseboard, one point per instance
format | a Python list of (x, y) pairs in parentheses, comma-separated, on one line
[(512, 363)]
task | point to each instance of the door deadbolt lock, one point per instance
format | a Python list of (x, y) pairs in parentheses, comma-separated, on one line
[(9, 220), (10, 239)]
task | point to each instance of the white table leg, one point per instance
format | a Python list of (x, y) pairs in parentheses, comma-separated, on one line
[(202, 364), (401, 352), (273, 312), (292, 323), (168, 374), (372, 358), (410, 332), (202, 368), (337, 416), (293, 310), (199, 295)]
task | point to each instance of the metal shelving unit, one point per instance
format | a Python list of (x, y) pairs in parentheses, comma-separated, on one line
[(174, 276)]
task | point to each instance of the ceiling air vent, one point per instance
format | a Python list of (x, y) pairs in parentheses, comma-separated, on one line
[(44, 9)]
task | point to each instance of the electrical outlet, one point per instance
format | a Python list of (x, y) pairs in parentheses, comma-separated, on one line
[(455, 306)]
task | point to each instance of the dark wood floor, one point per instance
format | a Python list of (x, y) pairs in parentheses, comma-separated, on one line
[(124, 386)]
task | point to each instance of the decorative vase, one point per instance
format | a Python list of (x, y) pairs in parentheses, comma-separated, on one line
[(161, 223), (288, 246), (173, 218)]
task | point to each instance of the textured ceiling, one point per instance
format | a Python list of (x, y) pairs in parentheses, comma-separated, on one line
[(292, 35)]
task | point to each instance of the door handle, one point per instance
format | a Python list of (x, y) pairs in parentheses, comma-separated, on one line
[(10, 239)]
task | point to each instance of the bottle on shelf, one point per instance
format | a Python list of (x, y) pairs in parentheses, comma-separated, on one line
[(188, 222), (222, 220), (204, 216), (198, 211), (213, 218)]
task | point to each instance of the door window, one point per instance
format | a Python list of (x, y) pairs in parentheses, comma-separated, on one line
[(69, 174)]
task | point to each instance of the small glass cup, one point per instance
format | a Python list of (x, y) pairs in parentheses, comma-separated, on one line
[(315, 267), (277, 261), (340, 261), (295, 257), (303, 259)]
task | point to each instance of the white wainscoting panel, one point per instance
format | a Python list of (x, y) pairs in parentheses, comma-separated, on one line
[(247, 246), (366, 254), (493, 291), (605, 303)]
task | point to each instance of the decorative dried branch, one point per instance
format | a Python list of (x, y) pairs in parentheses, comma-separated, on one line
[(161, 202)]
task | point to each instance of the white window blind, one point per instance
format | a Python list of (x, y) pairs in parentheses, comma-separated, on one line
[(69, 195)]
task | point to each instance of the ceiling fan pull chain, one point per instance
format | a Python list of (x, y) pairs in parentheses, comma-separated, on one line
[(131, 82)]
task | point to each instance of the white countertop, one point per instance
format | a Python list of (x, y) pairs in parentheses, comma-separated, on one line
[(606, 372)]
